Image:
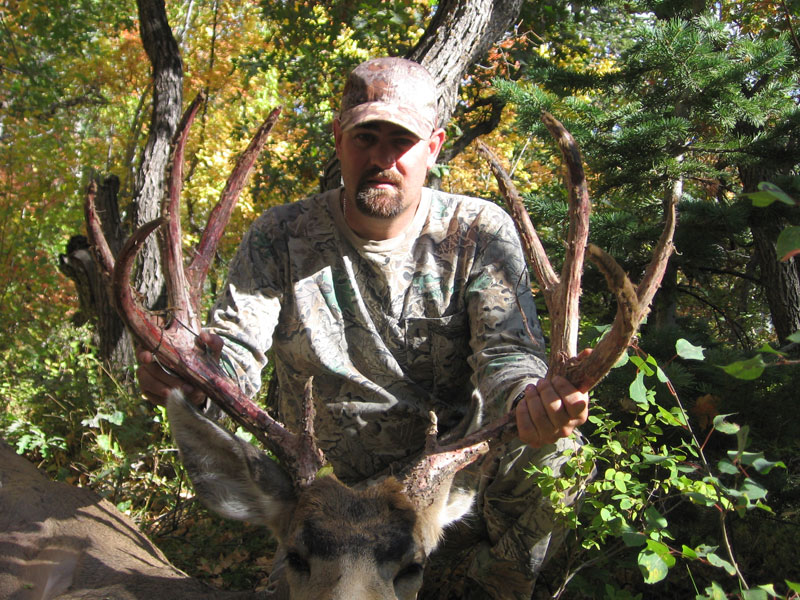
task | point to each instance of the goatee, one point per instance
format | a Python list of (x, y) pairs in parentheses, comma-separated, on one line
[(383, 203)]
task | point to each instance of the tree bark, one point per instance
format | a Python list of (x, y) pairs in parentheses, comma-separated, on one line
[(460, 33), (781, 279), (164, 54)]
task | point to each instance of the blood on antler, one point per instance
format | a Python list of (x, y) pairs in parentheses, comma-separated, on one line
[(172, 335), (562, 296)]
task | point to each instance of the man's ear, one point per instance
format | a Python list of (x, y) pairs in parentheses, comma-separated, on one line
[(337, 134), (435, 144)]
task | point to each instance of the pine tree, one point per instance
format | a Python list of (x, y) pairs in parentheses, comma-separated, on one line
[(689, 97)]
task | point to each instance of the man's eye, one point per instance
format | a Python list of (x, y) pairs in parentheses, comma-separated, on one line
[(404, 143), (364, 138)]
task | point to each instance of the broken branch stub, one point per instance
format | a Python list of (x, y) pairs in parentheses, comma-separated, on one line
[(172, 335)]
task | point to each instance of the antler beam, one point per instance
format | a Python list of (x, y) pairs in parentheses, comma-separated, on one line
[(172, 337)]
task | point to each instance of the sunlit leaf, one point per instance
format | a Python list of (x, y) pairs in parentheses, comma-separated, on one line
[(749, 369), (685, 349), (723, 426)]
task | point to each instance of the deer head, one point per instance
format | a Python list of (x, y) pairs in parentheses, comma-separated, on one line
[(341, 542)]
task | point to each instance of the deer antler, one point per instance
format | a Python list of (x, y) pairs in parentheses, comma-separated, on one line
[(562, 296), (172, 338)]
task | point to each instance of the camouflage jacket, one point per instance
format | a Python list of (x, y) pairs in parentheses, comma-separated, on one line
[(389, 329)]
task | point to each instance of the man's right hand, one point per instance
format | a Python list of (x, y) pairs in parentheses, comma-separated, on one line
[(156, 383)]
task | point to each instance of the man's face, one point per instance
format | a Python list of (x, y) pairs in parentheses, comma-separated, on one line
[(384, 166)]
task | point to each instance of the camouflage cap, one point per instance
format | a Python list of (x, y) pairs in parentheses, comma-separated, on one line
[(396, 90)]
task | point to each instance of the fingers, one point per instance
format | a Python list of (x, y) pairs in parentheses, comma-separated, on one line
[(550, 410)]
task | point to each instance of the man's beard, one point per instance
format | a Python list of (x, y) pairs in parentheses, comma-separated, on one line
[(382, 203)]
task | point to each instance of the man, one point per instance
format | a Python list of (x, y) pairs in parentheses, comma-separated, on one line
[(399, 299)]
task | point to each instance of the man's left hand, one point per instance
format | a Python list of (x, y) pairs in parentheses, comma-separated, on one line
[(551, 409)]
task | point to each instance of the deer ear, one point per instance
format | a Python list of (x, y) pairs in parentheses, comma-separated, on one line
[(231, 477), (446, 509)]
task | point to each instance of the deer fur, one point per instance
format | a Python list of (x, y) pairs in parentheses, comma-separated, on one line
[(338, 542), (59, 541)]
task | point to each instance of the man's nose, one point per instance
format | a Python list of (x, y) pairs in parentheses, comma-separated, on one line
[(384, 155)]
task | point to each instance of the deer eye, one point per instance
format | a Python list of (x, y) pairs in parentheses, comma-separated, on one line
[(409, 571), (297, 563)]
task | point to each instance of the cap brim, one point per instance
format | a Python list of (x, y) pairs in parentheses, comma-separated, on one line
[(391, 113)]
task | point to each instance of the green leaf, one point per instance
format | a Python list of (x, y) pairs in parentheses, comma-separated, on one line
[(749, 369), (795, 337), (654, 459), (638, 391), (623, 360), (634, 538), (769, 193), (767, 349), (654, 518), (723, 426), (652, 566), (792, 585), (754, 594), (689, 351), (763, 466), (788, 244), (641, 365), (717, 561), (325, 471)]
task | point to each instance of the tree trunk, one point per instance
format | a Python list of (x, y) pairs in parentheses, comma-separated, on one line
[(164, 54), (460, 33), (781, 279)]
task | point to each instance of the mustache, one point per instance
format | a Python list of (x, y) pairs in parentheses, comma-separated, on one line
[(375, 173)]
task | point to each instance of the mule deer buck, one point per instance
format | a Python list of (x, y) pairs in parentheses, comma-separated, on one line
[(341, 542)]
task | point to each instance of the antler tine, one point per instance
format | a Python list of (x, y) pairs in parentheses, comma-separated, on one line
[(178, 288), (97, 238), (221, 214), (564, 328), (438, 465), (312, 459)]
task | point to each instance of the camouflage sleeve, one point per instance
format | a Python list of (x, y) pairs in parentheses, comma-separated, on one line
[(506, 338), (246, 313)]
